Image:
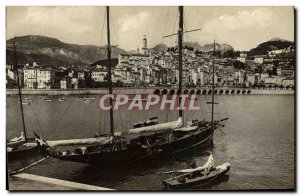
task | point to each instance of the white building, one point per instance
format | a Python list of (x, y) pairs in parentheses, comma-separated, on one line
[(288, 82), (74, 83), (259, 60), (81, 74), (30, 77), (239, 76), (264, 75), (98, 75), (45, 78), (242, 59), (10, 72), (274, 80), (63, 84)]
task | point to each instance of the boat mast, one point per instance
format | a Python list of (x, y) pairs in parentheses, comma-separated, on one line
[(19, 88), (213, 86), (110, 91), (180, 38)]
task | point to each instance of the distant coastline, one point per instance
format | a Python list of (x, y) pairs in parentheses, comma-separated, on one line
[(220, 91)]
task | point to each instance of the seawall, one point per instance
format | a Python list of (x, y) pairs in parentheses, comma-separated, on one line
[(198, 91)]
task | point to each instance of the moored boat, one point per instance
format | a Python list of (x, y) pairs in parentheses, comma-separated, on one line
[(47, 100), (25, 103), (191, 179), (28, 99), (61, 99), (88, 101)]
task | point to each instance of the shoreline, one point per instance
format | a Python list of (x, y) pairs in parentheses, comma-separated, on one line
[(131, 91)]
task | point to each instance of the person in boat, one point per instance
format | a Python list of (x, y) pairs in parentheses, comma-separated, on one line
[(83, 149), (193, 165), (209, 165)]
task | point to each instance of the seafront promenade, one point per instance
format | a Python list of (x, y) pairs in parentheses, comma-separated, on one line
[(29, 182), (152, 90)]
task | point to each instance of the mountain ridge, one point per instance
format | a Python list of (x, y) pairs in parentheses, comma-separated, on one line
[(52, 51), (34, 46)]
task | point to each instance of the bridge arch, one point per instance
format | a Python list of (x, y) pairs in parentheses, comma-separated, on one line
[(221, 92), (248, 91), (164, 92), (186, 91), (238, 91), (243, 91), (156, 92), (232, 92), (209, 92), (227, 92), (172, 92), (192, 92), (198, 92), (204, 92)]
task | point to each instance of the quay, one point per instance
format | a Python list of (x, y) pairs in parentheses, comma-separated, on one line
[(152, 90), (28, 182)]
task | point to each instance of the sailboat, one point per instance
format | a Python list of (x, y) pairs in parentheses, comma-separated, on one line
[(141, 142), (18, 145)]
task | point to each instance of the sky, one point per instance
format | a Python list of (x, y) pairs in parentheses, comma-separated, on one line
[(242, 27)]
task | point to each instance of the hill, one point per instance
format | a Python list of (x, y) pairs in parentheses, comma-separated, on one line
[(159, 48), (51, 51), (273, 44)]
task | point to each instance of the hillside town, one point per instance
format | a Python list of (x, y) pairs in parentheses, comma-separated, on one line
[(150, 68)]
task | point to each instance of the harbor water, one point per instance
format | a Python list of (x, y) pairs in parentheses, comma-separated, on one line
[(258, 140)]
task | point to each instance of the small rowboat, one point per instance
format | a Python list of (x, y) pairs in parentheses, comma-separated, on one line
[(88, 101), (47, 100), (28, 99), (25, 103), (61, 99), (196, 179)]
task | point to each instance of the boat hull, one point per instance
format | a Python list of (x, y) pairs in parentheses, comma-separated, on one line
[(16, 152), (22, 152), (134, 154)]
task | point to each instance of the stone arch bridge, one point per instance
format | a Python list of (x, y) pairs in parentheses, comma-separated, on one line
[(200, 91)]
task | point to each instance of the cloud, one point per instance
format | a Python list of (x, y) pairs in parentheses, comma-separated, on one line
[(131, 28), (244, 19), (245, 29), (68, 24), (133, 22)]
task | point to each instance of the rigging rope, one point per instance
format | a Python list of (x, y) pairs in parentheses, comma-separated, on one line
[(102, 27), (166, 22)]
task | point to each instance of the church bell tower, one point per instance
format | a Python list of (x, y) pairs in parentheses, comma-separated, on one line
[(145, 48)]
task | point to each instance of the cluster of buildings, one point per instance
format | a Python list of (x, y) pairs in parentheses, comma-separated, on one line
[(157, 68)]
